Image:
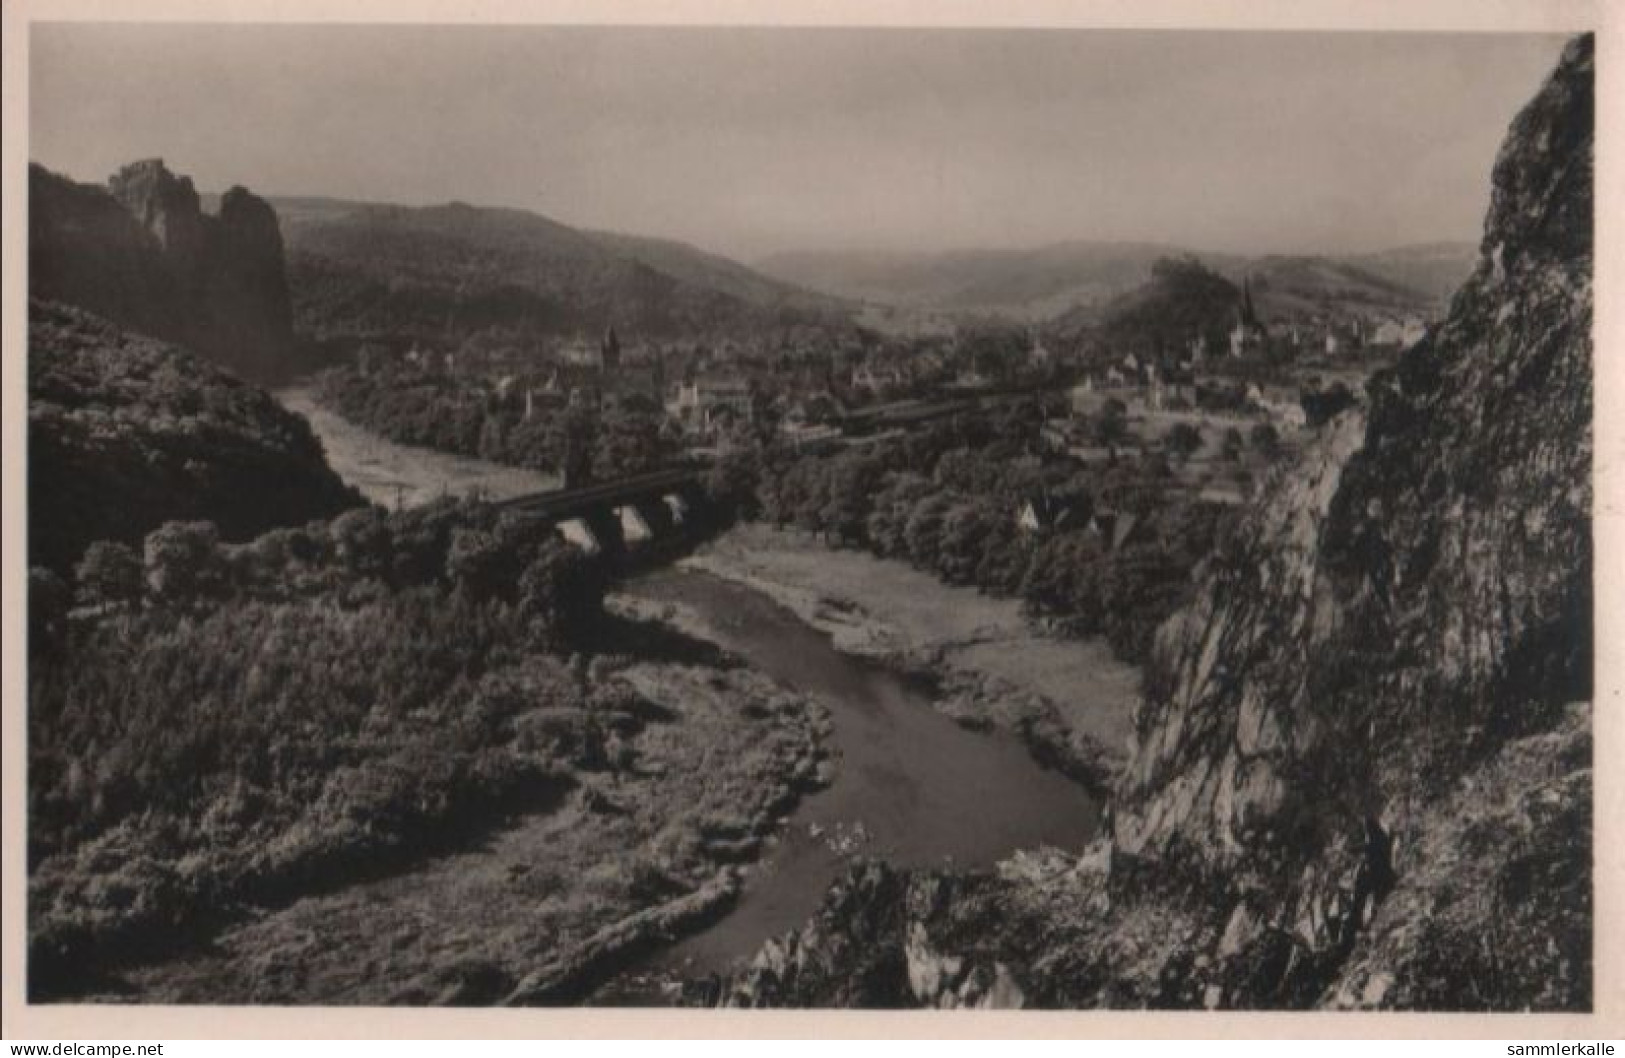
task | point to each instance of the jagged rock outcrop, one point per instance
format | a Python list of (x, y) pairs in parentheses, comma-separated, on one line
[(1416, 602), (1362, 773), (143, 253)]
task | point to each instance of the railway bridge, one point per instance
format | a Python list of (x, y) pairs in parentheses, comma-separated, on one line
[(621, 516)]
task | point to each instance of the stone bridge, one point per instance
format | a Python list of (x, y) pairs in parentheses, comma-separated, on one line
[(620, 516)]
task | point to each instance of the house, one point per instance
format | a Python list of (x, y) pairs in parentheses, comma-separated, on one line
[(1388, 332), (1198, 350), (1091, 455), (1225, 493), (708, 400), (1082, 396), (1043, 512), (1112, 528)]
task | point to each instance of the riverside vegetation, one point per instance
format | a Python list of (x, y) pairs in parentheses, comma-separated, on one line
[(217, 728)]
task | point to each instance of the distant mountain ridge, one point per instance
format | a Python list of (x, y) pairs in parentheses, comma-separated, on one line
[(1075, 277), (1034, 283), (447, 272)]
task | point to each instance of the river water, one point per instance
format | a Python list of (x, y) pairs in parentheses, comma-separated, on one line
[(911, 787)]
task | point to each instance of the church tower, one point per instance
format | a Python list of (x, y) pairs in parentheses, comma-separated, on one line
[(609, 350), (1248, 335)]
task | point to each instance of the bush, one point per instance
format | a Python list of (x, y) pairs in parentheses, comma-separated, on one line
[(182, 563), (48, 601), (561, 594), (109, 574)]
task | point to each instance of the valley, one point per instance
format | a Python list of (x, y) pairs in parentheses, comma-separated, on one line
[(452, 605)]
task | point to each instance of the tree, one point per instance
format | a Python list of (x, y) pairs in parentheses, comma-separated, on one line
[(1111, 425), (48, 603), (888, 518), (923, 531), (1232, 444), (731, 482), (849, 497), (628, 443), (1184, 440), (479, 564), (963, 540), (109, 574), (181, 561), (362, 542), (1319, 406), (1266, 439), (561, 594)]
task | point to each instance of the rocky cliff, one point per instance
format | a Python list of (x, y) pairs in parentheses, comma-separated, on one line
[(1362, 765), (142, 253)]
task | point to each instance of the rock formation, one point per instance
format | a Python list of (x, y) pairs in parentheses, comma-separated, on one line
[(144, 254), (1362, 765)]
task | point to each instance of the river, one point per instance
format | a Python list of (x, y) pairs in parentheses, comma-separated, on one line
[(911, 787), (396, 475)]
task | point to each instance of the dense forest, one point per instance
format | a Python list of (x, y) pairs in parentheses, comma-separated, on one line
[(628, 436), (1112, 555), (126, 433)]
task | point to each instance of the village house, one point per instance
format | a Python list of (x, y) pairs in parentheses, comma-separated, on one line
[(1044, 512), (710, 401)]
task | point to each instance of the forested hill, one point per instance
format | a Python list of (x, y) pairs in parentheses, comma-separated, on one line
[(127, 432), (1182, 298), (443, 274)]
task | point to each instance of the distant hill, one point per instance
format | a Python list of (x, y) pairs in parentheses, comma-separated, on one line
[(1183, 297), (1435, 268), (127, 432), (1301, 287), (444, 273), (1026, 283), (1079, 279)]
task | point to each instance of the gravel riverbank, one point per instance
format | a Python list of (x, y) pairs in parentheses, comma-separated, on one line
[(1071, 701)]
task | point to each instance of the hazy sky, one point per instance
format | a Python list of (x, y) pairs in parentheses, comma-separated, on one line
[(750, 141)]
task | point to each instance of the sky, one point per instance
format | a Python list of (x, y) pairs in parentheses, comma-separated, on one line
[(752, 141)]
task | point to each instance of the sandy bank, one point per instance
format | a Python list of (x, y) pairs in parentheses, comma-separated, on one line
[(1071, 700)]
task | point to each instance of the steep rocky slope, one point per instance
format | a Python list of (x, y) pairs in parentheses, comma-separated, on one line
[(126, 433), (1362, 767), (141, 252)]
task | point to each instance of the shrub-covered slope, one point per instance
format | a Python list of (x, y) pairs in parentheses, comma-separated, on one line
[(126, 433)]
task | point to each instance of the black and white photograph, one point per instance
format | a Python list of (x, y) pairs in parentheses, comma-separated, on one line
[(737, 516)]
